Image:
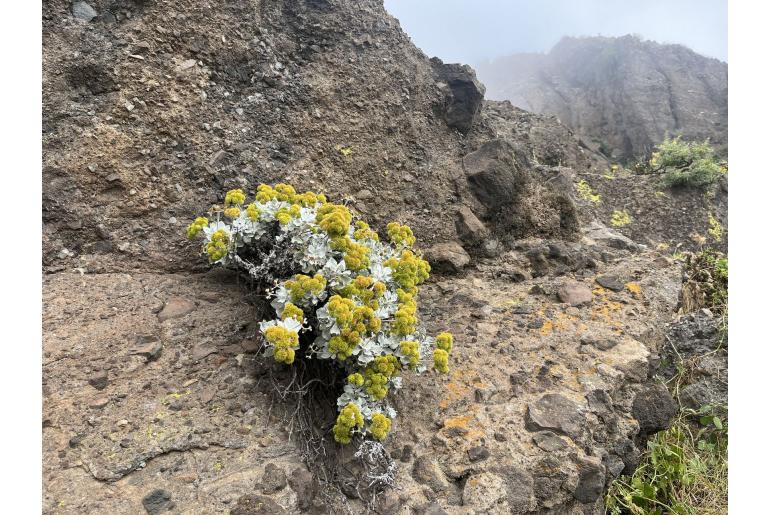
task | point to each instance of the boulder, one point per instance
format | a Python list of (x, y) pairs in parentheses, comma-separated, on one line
[(591, 479), (83, 11), (470, 229), (575, 294), (556, 412), (493, 173), (463, 93), (176, 307), (447, 257), (596, 232), (611, 282), (653, 408)]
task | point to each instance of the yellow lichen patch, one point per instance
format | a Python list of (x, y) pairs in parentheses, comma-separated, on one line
[(634, 288), (546, 328), (587, 193), (174, 396), (620, 218)]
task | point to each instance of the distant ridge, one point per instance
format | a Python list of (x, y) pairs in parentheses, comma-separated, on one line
[(621, 95)]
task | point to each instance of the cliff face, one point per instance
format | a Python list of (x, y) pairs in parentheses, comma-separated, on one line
[(622, 95), (155, 395)]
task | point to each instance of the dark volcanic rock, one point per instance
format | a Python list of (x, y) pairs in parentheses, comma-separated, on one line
[(158, 501), (611, 282), (273, 480), (493, 173), (464, 94), (590, 480), (304, 485), (654, 408)]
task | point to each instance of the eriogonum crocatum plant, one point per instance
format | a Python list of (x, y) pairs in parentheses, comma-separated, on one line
[(339, 294)]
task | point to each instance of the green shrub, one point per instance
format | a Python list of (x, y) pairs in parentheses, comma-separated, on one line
[(686, 163), (340, 295), (683, 470)]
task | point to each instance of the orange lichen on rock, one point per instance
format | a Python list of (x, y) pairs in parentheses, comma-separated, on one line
[(465, 425), (461, 386)]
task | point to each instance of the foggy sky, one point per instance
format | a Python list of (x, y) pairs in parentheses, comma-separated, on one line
[(471, 31)]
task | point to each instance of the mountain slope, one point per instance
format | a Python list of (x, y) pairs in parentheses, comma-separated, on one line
[(155, 395), (622, 95)]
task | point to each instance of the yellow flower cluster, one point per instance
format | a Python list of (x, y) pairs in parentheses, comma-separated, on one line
[(405, 318), (287, 193), (364, 232), (285, 214), (216, 248), (334, 219), (380, 426), (366, 289), (302, 285), (353, 322), (349, 418), (620, 218), (444, 342), (232, 212), (284, 342), (377, 374), (356, 379), (292, 311), (235, 198), (197, 226), (356, 256), (400, 234), (441, 360), (253, 212), (409, 271), (411, 350)]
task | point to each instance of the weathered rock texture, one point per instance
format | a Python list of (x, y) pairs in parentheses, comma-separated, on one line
[(154, 394), (622, 95)]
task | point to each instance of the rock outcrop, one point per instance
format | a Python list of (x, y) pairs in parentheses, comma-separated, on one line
[(154, 394)]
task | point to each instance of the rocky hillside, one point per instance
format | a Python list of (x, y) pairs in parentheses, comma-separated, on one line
[(622, 95), (155, 398)]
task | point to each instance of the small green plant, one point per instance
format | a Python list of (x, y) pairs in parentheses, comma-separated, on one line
[(686, 163), (587, 193), (620, 218), (345, 151), (612, 173), (706, 281), (683, 470), (715, 228), (339, 294)]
